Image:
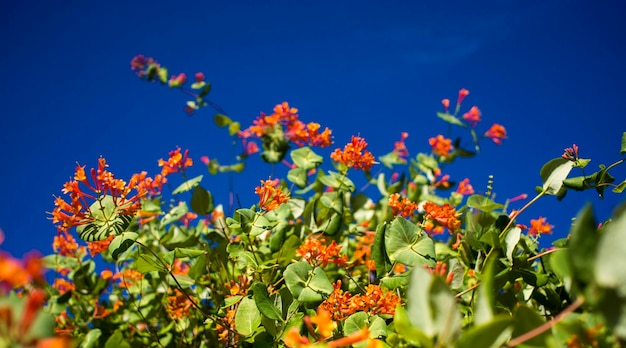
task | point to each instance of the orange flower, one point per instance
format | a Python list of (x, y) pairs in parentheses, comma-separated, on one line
[(64, 244), (293, 339), (354, 155), (177, 162), (539, 226), (401, 206), (363, 250), (353, 338), (375, 300), (324, 322), (102, 185), (462, 94), (446, 104), (465, 188), (431, 229), (178, 305), (441, 146), (271, 197), (445, 215), (316, 252), (286, 113), (127, 277), (496, 133), (308, 134), (17, 273), (472, 116), (399, 147), (571, 153), (96, 248), (63, 285)]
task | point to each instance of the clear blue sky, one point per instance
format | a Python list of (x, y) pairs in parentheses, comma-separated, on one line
[(551, 71)]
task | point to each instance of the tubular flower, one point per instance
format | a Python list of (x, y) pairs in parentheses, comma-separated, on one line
[(177, 80), (178, 305), (571, 153), (375, 300), (431, 229), (445, 215), (472, 116), (441, 146), (63, 285), (465, 188), (496, 133), (354, 155), (539, 226), (64, 244), (143, 65), (176, 162), (127, 277), (308, 134), (323, 321), (316, 252), (152, 186), (399, 147), (105, 191), (401, 206), (271, 197), (363, 250), (96, 248), (462, 94), (18, 273), (446, 104)]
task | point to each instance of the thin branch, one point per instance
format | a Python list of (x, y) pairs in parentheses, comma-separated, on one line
[(547, 325)]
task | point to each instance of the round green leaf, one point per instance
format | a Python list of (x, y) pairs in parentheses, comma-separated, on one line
[(406, 243), (248, 317)]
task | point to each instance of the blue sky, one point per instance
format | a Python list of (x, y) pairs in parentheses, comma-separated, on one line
[(551, 71)]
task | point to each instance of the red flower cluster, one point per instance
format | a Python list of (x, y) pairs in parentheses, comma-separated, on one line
[(315, 251), (354, 155), (375, 300), (445, 215), (401, 206), (271, 196), (496, 133), (441, 146), (177, 162)]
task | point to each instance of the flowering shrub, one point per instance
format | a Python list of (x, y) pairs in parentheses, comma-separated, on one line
[(411, 259)]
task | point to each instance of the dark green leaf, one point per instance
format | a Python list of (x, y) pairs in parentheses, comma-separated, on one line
[(526, 319), (201, 200), (583, 245), (121, 243), (222, 120), (117, 340), (491, 334), (379, 253), (264, 303), (148, 263), (622, 149)]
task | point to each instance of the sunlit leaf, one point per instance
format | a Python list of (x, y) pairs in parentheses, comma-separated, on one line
[(121, 243), (451, 119), (307, 284), (408, 244), (305, 158), (248, 317), (187, 185), (264, 303), (553, 173)]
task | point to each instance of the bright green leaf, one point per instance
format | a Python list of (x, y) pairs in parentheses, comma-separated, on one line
[(248, 317), (187, 185), (622, 150), (201, 200), (491, 334), (583, 242), (553, 173), (307, 284), (408, 244), (482, 203), (264, 303), (305, 158), (451, 119), (620, 188), (117, 340), (148, 263), (121, 243), (510, 241)]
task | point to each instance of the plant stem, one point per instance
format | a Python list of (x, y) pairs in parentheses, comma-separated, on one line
[(547, 325)]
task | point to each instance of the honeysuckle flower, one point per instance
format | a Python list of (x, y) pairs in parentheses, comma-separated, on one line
[(64, 244), (571, 153), (446, 104), (324, 322), (399, 147), (97, 247), (177, 80), (17, 273), (316, 252), (496, 133), (177, 162), (445, 215), (539, 226), (178, 305), (354, 155), (441, 146), (401, 206), (472, 116), (271, 196), (518, 197), (462, 94), (465, 188)]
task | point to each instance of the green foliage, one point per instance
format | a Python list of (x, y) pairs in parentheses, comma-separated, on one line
[(323, 261)]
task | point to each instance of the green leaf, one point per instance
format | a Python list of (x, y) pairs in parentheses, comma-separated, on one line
[(357, 321), (333, 200), (379, 253), (403, 326), (483, 309), (175, 214), (482, 203), (147, 263), (107, 221), (248, 317), (408, 244), (222, 120), (264, 303), (91, 339), (622, 149), (305, 158), (205, 91), (117, 340), (510, 241), (337, 181), (583, 245), (121, 243), (298, 176), (451, 119), (187, 185), (620, 188), (526, 319), (491, 334), (234, 128), (307, 284), (432, 308), (186, 252), (162, 72), (553, 173), (609, 263), (201, 200)]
